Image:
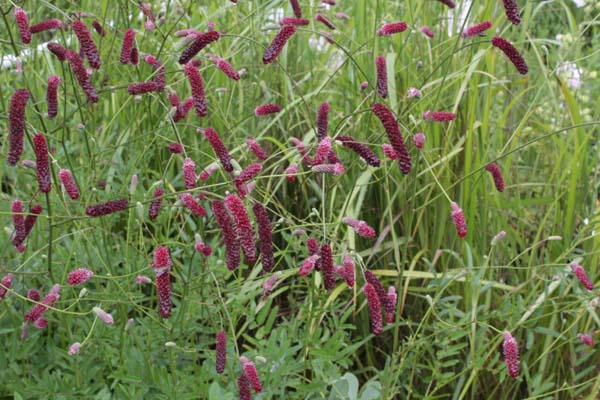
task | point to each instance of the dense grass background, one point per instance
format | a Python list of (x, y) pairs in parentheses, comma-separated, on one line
[(455, 296)]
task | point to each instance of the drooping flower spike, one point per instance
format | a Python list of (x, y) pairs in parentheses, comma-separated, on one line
[(278, 43), (359, 148), (46, 25), (103, 315), (256, 148), (425, 30), (512, 11), (221, 352), (195, 79), (247, 173), (296, 8), (191, 204), (28, 223), (477, 29), (59, 51), (374, 309), (189, 173), (494, 169), (39, 309), (394, 135), (82, 77), (87, 44), (438, 116), (336, 169), (325, 21), (219, 148), (226, 68), (52, 95), (201, 40), (360, 227), (582, 276), (79, 276), (98, 28), (294, 21), (382, 295), (511, 53), (266, 109)]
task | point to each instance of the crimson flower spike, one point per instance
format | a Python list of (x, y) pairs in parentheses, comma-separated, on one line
[(197, 86), (162, 268), (296, 8), (82, 77), (325, 21), (113, 206), (201, 41), (23, 24), (390, 29), (477, 29), (276, 46), (52, 95), (127, 46), (28, 224), (221, 353), (511, 354), (247, 173), (374, 309), (459, 220), (229, 237), (511, 53), (41, 160), (323, 120), (494, 169), (394, 135), (156, 203), (265, 236), (46, 25), (87, 44), (243, 226), (362, 150), (219, 148), (327, 266), (294, 21), (384, 299), (59, 51), (226, 68), (16, 125), (512, 11)]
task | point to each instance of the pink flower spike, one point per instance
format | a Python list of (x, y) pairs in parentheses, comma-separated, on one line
[(229, 236), (325, 21), (394, 135), (438, 116), (23, 24), (323, 120), (511, 354), (360, 227), (388, 150), (189, 173), (191, 204), (79, 276), (162, 267), (87, 43), (74, 348), (382, 80), (5, 284), (221, 352), (243, 225), (59, 51), (219, 148), (113, 206), (52, 95), (201, 40), (278, 43), (226, 68), (127, 46), (334, 169), (43, 165), (296, 8), (39, 309), (156, 203), (103, 315), (98, 28), (390, 305), (511, 53), (16, 125), (250, 371), (364, 85), (459, 220), (197, 89), (201, 247), (270, 283), (294, 21), (390, 29), (308, 265), (346, 270), (414, 93), (244, 387), (141, 279), (40, 323), (476, 29), (267, 109), (82, 77), (256, 149), (419, 140), (494, 169), (582, 276), (290, 172), (374, 309), (425, 30), (265, 236), (46, 25), (586, 339), (323, 151)]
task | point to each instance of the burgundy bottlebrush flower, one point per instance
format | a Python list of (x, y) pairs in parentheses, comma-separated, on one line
[(327, 266), (208, 171), (43, 166), (325, 21), (390, 29), (394, 135), (219, 148), (419, 140), (388, 150), (33, 294), (390, 305), (512, 11), (155, 205), (103, 315), (243, 225), (267, 109), (427, 31), (134, 58), (265, 236), (232, 244), (334, 169), (438, 116), (346, 270), (16, 207), (176, 148), (270, 283), (197, 86), (189, 173), (296, 8), (201, 40), (312, 245), (226, 68), (191, 204), (59, 51), (247, 173), (162, 267), (127, 46), (494, 169), (362, 150), (46, 25), (323, 120), (511, 354), (477, 29), (202, 247), (28, 223), (16, 125), (98, 28), (183, 108), (459, 220), (23, 24), (256, 149), (294, 21), (143, 87), (586, 339), (308, 265), (382, 80), (374, 309), (291, 171), (98, 210), (379, 289), (448, 3), (6, 283), (360, 227), (221, 353), (52, 95), (39, 309), (87, 44), (40, 323), (173, 99), (250, 371), (79, 276), (512, 53), (276, 46), (244, 387), (582, 276), (323, 151), (82, 77)]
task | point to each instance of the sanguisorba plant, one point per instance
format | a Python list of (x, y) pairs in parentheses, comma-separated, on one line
[(294, 199)]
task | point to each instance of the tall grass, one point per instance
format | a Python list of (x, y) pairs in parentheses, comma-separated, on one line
[(455, 296)]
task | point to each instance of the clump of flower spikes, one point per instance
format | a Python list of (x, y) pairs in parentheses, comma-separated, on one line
[(79, 276), (392, 28), (278, 43), (109, 207), (16, 125), (162, 267), (511, 53)]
